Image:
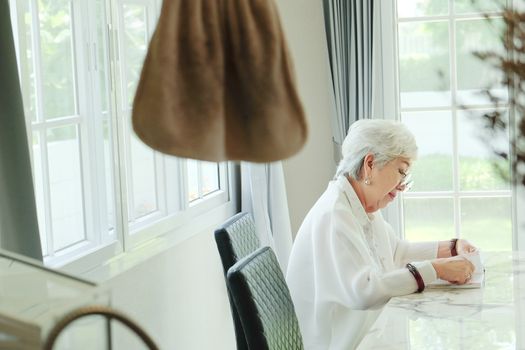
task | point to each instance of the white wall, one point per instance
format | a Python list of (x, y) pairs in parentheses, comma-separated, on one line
[(307, 174), (178, 296)]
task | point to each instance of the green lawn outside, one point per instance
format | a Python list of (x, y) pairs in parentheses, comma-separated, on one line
[(487, 234), (433, 172)]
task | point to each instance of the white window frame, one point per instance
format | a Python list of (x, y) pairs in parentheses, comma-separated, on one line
[(387, 86), (40, 126), (176, 218)]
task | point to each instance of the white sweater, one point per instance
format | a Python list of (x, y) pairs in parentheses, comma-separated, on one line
[(345, 265)]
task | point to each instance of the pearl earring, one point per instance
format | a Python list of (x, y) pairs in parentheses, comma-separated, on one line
[(367, 181)]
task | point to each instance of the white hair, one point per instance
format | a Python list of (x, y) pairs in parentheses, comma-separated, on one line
[(385, 139)]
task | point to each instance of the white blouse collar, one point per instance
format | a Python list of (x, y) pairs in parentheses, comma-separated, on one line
[(362, 216)]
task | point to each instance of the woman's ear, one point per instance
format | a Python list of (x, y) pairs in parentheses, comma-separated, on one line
[(368, 162)]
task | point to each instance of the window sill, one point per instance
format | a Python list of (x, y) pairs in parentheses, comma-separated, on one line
[(103, 265)]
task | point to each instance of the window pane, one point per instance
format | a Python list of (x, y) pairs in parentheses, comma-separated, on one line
[(135, 44), (428, 219), (210, 177), (57, 58), (192, 167), (424, 64), (39, 192), (416, 8), (65, 182), (144, 178), (486, 222), (474, 75), (478, 6), (477, 163), (432, 171)]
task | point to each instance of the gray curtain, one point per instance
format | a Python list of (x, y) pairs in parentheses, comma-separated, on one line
[(18, 219), (349, 36)]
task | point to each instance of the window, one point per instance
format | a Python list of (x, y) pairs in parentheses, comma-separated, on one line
[(457, 191), (96, 184)]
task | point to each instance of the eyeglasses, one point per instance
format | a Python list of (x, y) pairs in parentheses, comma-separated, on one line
[(406, 183)]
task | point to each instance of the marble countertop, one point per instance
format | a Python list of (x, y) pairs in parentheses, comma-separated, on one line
[(490, 317)]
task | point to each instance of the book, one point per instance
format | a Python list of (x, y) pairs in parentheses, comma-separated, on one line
[(476, 281)]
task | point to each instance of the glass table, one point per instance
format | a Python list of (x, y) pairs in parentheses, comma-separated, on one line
[(33, 298)]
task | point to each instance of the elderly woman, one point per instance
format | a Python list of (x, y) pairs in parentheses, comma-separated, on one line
[(347, 262)]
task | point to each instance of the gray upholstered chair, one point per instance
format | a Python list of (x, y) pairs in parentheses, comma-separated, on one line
[(263, 301), (235, 239)]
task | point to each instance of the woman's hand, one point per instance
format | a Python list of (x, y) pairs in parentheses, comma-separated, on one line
[(456, 269), (464, 247)]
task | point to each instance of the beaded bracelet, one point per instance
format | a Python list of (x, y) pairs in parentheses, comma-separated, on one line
[(417, 276)]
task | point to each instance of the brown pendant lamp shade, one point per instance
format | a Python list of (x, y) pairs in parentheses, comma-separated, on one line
[(217, 84)]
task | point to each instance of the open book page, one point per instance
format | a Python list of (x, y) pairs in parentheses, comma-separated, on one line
[(476, 281)]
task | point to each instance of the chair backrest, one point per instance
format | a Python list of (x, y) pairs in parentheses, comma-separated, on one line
[(235, 239), (262, 298)]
